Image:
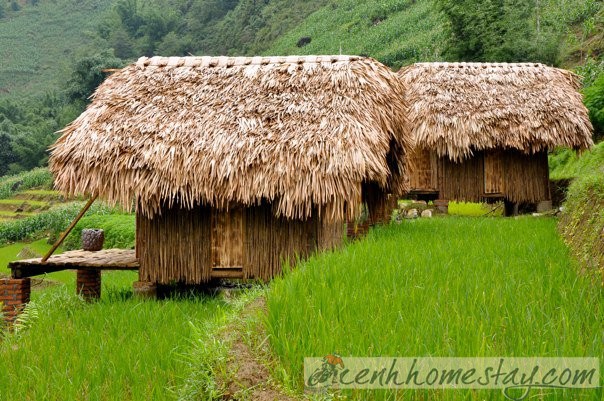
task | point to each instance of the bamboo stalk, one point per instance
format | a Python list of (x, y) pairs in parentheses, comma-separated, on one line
[(71, 226)]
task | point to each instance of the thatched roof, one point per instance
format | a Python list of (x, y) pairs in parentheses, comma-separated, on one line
[(300, 132), (455, 108)]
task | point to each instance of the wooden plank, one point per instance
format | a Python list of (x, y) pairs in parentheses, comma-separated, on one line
[(227, 238), (37, 270), (423, 176), (230, 272), (493, 173), (124, 258)]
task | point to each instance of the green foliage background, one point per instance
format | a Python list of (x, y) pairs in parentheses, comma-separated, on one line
[(53, 52)]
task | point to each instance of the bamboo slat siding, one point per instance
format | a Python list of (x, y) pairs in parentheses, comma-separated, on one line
[(512, 174), (526, 178), (227, 238), (379, 204), (423, 175), (494, 173), (181, 246), (176, 246), (462, 181), (271, 240)]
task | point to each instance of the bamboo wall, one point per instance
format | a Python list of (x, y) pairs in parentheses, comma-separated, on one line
[(178, 246), (461, 181), (423, 171), (379, 204), (175, 247), (509, 174), (270, 241), (526, 178)]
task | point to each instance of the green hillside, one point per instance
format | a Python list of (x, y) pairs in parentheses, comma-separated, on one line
[(38, 44), (395, 32)]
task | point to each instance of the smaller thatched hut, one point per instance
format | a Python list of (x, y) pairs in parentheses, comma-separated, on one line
[(236, 164), (482, 131)]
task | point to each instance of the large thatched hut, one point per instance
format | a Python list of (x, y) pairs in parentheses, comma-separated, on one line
[(235, 164), (482, 131)]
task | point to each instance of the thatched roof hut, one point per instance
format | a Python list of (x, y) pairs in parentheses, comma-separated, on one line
[(189, 136), (500, 118)]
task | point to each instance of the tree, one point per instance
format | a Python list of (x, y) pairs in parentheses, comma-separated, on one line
[(129, 14), (88, 74), (171, 45), (499, 30), (7, 156), (122, 43), (594, 100)]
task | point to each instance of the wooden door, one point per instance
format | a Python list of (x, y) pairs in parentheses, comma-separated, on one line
[(227, 238), (493, 173), (424, 174)]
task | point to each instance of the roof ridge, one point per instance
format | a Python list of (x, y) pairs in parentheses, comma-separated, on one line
[(481, 65), (224, 61)]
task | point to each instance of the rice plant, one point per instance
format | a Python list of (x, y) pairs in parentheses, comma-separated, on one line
[(455, 287)]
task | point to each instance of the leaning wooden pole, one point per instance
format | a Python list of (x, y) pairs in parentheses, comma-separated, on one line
[(71, 226)]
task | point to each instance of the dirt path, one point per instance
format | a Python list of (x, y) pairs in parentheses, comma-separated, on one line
[(248, 377)]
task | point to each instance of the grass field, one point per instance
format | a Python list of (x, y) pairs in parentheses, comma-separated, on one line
[(453, 287), (456, 286), (116, 349), (567, 163), (9, 253)]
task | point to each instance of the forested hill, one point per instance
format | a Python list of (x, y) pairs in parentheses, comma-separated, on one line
[(39, 43), (41, 39), (53, 52)]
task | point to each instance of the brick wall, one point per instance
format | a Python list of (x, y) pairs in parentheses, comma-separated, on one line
[(14, 295), (89, 284)]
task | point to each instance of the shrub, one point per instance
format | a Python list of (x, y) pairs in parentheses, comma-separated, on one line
[(594, 100), (119, 230), (582, 221), (36, 178), (51, 222), (566, 163)]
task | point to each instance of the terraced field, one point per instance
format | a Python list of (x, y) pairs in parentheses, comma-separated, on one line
[(28, 203)]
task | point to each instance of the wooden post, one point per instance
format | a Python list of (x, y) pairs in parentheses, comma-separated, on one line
[(71, 226)]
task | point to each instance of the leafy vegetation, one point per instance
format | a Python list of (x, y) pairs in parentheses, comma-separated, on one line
[(27, 129), (10, 252), (37, 178), (582, 222), (119, 230), (474, 209), (512, 30), (566, 163), (395, 32), (453, 287), (50, 223), (34, 64), (594, 100), (120, 348)]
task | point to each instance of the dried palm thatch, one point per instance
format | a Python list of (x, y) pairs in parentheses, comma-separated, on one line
[(456, 108), (294, 131)]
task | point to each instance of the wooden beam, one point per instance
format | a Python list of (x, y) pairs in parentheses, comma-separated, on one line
[(38, 270), (229, 272), (71, 226)]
